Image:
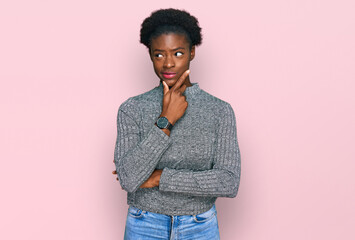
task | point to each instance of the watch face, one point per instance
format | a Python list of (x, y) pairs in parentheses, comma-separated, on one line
[(162, 122)]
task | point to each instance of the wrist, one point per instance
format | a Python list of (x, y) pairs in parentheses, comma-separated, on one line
[(170, 118), (157, 181), (166, 131)]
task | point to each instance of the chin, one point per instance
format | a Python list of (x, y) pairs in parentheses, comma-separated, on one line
[(170, 82)]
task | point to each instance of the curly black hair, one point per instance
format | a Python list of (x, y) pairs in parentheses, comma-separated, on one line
[(170, 21)]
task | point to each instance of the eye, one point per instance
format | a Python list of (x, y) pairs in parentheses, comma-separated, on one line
[(177, 54), (157, 55)]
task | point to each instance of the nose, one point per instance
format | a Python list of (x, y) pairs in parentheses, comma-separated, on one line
[(169, 62)]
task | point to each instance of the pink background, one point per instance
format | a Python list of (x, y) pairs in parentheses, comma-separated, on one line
[(286, 67)]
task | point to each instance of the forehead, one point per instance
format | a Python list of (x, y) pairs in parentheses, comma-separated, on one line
[(168, 41)]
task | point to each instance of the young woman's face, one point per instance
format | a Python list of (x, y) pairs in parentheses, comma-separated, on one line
[(171, 57)]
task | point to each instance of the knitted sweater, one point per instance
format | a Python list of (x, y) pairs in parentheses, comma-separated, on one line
[(200, 159)]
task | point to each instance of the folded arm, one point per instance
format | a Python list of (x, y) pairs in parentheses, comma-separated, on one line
[(220, 181), (135, 157)]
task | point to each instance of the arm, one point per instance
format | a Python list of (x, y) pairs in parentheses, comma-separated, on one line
[(135, 158), (223, 179)]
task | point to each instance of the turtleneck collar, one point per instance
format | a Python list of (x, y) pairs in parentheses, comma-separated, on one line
[(189, 91)]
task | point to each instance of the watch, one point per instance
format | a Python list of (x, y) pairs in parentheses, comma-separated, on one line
[(163, 122)]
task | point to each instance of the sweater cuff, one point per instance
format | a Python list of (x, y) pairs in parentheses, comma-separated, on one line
[(157, 140), (164, 179)]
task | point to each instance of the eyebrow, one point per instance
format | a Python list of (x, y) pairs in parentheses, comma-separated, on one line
[(172, 49)]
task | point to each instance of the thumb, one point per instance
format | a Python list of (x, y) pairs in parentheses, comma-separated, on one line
[(166, 87)]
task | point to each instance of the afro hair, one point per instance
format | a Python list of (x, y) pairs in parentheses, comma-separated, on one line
[(170, 21)]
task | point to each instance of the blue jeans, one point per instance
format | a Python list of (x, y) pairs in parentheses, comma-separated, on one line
[(144, 225)]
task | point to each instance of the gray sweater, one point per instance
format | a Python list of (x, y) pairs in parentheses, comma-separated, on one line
[(200, 159)]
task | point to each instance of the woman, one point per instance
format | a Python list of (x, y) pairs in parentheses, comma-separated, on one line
[(176, 148)]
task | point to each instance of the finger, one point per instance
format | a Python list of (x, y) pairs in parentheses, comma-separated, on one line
[(182, 89), (181, 80), (166, 87)]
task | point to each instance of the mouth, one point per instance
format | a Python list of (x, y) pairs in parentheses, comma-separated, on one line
[(168, 75)]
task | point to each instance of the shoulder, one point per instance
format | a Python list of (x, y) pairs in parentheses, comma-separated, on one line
[(150, 96), (134, 103), (221, 111), (215, 104)]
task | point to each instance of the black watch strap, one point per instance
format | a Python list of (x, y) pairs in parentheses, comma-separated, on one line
[(170, 126)]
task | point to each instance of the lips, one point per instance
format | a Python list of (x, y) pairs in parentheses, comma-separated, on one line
[(168, 74)]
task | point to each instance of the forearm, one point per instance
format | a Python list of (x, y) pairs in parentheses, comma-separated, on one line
[(214, 182), (137, 164)]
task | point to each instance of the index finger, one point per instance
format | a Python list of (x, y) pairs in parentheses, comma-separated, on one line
[(180, 81)]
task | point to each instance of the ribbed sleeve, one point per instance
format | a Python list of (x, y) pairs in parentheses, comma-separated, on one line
[(135, 158), (220, 181)]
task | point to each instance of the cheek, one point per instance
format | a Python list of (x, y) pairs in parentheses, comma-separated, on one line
[(185, 62), (184, 67), (157, 69), (156, 64)]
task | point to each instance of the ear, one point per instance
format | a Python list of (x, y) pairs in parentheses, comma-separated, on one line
[(192, 53)]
